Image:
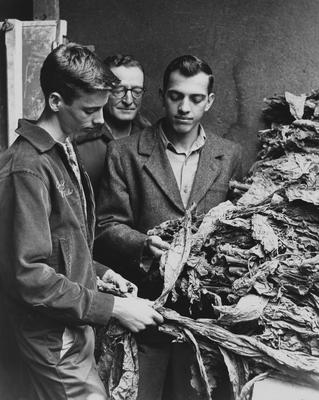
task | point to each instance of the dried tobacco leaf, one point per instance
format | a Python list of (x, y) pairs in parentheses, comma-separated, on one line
[(298, 365), (260, 247), (173, 261), (262, 187), (118, 362), (263, 233), (298, 192), (238, 371), (253, 267), (296, 104), (248, 308), (308, 124), (127, 386), (209, 222), (204, 390)]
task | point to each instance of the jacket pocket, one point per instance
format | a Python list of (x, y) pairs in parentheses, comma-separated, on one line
[(60, 258)]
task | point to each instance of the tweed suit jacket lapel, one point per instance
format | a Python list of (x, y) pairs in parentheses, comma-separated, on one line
[(209, 167), (158, 166)]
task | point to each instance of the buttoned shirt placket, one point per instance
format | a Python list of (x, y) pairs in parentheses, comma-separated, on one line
[(184, 164)]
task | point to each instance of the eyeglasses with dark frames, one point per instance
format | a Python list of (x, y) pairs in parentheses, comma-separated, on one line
[(120, 91)]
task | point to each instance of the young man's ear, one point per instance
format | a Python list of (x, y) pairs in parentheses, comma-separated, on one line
[(211, 98), (55, 101)]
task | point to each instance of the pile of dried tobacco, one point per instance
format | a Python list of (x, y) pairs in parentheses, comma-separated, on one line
[(246, 276)]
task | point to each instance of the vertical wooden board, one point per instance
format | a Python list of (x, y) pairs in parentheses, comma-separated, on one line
[(28, 44), (37, 44), (3, 93), (14, 77), (38, 38)]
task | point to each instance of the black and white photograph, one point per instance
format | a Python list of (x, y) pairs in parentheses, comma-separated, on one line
[(159, 200)]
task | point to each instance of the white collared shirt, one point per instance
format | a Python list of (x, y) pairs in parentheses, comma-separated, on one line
[(184, 165)]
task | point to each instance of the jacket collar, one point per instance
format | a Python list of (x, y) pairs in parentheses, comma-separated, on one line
[(209, 167), (38, 137), (147, 141), (158, 165), (198, 143), (138, 124)]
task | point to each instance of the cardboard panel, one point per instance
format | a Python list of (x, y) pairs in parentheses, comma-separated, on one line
[(28, 44)]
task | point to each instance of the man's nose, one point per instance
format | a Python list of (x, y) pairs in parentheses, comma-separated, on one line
[(128, 98), (184, 106), (98, 117)]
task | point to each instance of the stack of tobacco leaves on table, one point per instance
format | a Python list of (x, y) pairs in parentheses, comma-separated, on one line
[(244, 278)]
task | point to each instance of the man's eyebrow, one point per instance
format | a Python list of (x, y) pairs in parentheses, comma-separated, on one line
[(175, 91), (190, 94)]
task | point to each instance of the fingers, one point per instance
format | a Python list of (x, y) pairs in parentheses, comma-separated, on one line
[(136, 314), (158, 318), (125, 286), (132, 289), (147, 302), (120, 283), (157, 246), (156, 241), (108, 276), (154, 317), (156, 252)]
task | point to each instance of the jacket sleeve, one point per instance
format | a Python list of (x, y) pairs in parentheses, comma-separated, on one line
[(26, 244), (117, 243)]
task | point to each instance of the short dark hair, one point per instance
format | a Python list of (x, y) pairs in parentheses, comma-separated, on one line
[(71, 67), (188, 65), (117, 60)]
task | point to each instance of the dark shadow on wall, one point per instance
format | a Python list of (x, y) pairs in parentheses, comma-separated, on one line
[(16, 9)]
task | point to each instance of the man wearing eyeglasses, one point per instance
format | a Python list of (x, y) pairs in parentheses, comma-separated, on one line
[(121, 115), (152, 177)]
